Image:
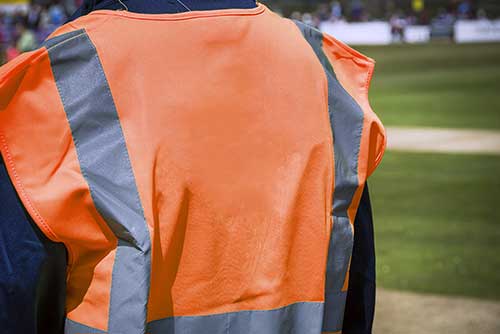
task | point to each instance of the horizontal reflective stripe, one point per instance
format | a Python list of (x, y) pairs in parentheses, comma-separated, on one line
[(72, 327), (300, 318)]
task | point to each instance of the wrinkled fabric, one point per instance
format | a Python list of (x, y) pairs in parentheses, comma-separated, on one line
[(32, 270), (360, 301)]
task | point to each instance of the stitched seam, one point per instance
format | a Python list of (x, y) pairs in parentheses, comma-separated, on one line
[(30, 205), (66, 40), (242, 311), (22, 189), (82, 170), (15, 70), (151, 17), (331, 186), (128, 170), (137, 197)]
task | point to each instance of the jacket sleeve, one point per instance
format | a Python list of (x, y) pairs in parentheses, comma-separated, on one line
[(360, 304), (32, 269), (354, 72), (360, 142)]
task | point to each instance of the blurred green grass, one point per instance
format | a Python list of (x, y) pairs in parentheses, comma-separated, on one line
[(437, 85), (437, 223)]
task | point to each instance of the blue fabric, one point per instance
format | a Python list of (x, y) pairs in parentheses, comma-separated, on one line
[(32, 268), (162, 6), (21, 256), (360, 304)]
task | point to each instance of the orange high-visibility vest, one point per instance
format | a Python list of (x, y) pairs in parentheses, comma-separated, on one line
[(202, 169)]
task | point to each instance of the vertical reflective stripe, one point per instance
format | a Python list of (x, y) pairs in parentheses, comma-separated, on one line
[(346, 120), (341, 250), (105, 165)]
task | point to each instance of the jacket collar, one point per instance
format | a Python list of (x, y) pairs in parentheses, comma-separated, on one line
[(161, 6)]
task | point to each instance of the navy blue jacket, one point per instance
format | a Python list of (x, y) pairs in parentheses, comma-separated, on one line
[(33, 268)]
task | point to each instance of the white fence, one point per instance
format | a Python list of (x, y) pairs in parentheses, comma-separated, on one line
[(379, 33), (363, 33), (477, 31), (417, 34), (373, 33)]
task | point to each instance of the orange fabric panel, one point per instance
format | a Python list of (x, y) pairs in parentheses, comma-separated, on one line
[(237, 195), (93, 278), (40, 155), (354, 72)]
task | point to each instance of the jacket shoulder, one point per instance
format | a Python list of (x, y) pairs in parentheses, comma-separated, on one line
[(13, 73), (350, 73)]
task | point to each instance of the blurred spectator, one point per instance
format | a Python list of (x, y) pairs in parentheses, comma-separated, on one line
[(57, 16), (336, 12), (296, 16), (307, 18), (323, 12), (26, 41), (481, 14), (23, 29), (357, 10), (11, 52), (442, 24), (33, 17), (464, 10), (398, 24)]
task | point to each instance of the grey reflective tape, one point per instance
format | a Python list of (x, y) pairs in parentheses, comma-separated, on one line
[(61, 38), (105, 165), (300, 318), (72, 327), (340, 248), (346, 120), (334, 311)]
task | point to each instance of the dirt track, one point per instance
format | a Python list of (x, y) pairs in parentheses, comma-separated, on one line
[(443, 140), (409, 313)]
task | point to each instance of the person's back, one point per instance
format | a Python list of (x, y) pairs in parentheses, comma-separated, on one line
[(188, 167)]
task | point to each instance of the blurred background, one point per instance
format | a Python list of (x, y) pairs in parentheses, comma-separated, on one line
[(436, 195)]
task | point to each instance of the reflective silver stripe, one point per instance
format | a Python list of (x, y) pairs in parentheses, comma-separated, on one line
[(105, 165), (346, 120), (61, 38), (72, 327), (340, 248), (300, 318)]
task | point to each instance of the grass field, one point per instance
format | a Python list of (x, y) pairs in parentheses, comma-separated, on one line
[(437, 85), (437, 223)]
